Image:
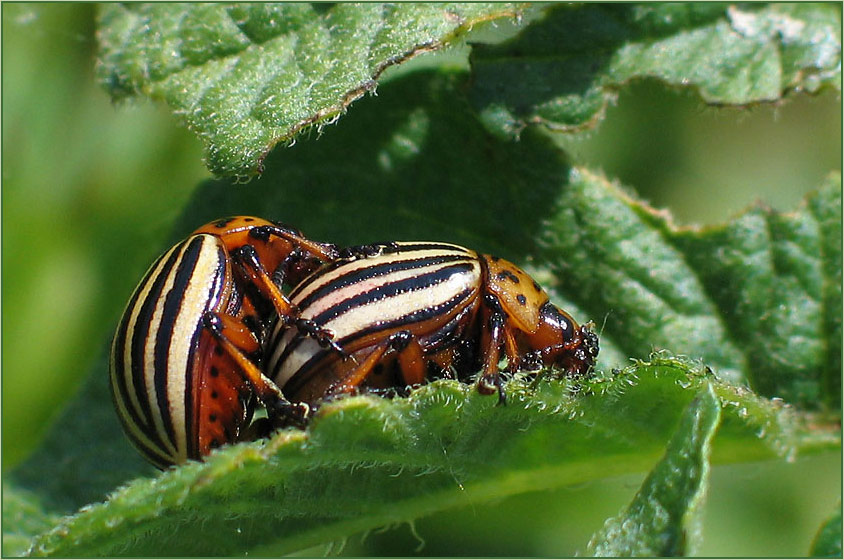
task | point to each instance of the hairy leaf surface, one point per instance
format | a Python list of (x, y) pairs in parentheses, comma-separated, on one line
[(245, 77), (430, 170), (563, 70)]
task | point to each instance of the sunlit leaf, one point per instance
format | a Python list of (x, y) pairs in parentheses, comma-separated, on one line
[(562, 71), (662, 519), (245, 77)]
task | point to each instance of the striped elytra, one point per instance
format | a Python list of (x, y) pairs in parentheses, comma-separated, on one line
[(184, 374), (403, 312), (162, 357), (208, 334)]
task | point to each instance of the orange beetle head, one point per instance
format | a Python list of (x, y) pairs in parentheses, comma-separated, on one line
[(560, 342)]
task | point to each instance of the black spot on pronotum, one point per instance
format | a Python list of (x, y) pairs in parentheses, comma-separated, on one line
[(506, 274), (521, 299)]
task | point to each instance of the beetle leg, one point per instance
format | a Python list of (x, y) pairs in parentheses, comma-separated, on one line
[(490, 379), (324, 251), (324, 337), (514, 360), (247, 259), (266, 391), (366, 251), (411, 363), (288, 313), (298, 263)]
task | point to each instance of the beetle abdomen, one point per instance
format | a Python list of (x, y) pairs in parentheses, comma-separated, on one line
[(154, 349), (419, 287)]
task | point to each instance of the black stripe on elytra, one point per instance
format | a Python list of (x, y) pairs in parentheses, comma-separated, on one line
[(276, 340), (392, 248), (172, 305), (143, 330), (448, 334), (419, 282), (419, 316), (192, 422), (432, 246), (119, 389), (301, 376), (131, 419), (392, 289), (158, 455), (373, 271)]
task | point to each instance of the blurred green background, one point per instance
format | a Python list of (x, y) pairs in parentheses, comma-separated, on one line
[(90, 191)]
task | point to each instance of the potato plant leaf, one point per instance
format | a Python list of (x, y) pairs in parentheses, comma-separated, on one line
[(758, 299), (245, 77), (563, 70), (662, 519), (368, 462)]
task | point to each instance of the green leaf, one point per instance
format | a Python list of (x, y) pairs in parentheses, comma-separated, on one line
[(366, 462), (563, 70), (662, 519), (777, 279), (369, 462), (245, 77), (827, 543), (757, 299)]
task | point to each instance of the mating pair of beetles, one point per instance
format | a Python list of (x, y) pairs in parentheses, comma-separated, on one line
[(209, 332)]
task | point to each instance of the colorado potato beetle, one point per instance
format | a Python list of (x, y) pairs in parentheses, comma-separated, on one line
[(404, 312), (183, 371)]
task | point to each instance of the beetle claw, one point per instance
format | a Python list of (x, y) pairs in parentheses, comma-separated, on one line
[(489, 384), (323, 337), (502, 396), (291, 414)]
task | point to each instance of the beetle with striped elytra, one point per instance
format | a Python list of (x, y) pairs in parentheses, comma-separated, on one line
[(184, 368), (186, 365), (404, 312)]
